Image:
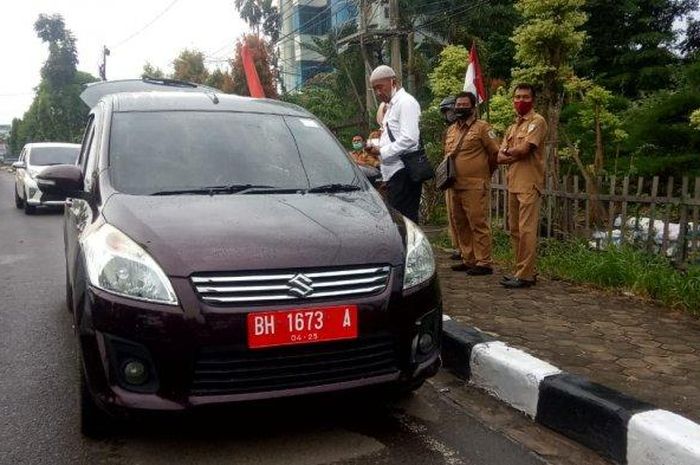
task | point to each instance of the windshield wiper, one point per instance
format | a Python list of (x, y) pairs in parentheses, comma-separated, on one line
[(334, 188), (212, 190)]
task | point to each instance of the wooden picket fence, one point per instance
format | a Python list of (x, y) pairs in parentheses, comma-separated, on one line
[(614, 210)]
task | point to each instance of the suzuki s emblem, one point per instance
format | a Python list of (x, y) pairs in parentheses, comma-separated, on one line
[(300, 286)]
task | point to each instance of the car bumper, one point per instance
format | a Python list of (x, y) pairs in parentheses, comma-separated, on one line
[(176, 342)]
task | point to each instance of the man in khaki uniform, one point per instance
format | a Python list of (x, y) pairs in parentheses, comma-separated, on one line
[(522, 150), (474, 147), (447, 109)]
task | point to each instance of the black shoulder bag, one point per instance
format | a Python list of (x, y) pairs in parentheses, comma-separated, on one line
[(446, 173), (416, 162)]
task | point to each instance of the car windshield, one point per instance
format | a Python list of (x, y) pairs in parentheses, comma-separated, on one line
[(182, 151), (43, 156)]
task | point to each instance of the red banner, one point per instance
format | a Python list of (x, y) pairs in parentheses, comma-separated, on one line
[(251, 74)]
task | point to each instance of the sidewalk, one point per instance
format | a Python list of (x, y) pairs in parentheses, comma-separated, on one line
[(635, 347)]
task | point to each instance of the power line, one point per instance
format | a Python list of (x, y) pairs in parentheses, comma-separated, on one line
[(302, 26), (282, 20), (149, 24), (454, 12)]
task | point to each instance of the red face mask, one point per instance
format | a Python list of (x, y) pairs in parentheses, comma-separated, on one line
[(523, 107)]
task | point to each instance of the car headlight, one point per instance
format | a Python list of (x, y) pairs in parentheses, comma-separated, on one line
[(420, 262), (117, 264)]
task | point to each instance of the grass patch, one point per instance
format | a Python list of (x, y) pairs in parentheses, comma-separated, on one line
[(623, 267)]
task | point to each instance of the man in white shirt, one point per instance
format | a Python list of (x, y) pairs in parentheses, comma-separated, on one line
[(400, 135)]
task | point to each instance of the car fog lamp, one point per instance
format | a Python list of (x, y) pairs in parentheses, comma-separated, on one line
[(426, 343), (135, 372)]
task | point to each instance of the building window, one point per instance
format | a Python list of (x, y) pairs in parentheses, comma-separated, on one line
[(313, 20)]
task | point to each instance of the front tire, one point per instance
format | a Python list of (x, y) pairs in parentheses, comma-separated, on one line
[(19, 204), (94, 422), (69, 294), (28, 209)]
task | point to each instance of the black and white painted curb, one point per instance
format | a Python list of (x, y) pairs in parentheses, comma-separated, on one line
[(610, 422)]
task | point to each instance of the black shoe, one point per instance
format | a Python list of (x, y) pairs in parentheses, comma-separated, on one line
[(480, 271), (461, 267), (456, 255), (517, 283), (505, 278)]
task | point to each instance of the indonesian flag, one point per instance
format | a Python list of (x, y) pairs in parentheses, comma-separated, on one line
[(474, 81)]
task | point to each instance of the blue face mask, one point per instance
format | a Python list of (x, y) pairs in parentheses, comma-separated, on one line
[(357, 145)]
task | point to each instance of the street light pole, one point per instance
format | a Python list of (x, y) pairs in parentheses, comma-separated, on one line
[(103, 66)]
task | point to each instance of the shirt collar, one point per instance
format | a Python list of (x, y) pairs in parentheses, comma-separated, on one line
[(397, 95), (466, 124), (527, 117)]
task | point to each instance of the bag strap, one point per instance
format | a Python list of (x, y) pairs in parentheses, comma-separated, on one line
[(393, 139), (461, 139)]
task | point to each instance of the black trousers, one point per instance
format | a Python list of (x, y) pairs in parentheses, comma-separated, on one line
[(404, 194)]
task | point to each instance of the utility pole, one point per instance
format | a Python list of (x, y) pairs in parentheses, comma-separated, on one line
[(103, 66), (411, 71), (395, 38), (370, 99)]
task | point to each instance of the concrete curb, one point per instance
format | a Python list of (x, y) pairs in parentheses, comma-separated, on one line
[(614, 424)]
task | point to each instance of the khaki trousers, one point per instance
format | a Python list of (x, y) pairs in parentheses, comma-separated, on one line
[(470, 215), (523, 221), (454, 235)]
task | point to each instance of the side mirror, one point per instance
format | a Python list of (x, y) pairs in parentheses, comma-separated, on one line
[(63, 180), (18, 164)]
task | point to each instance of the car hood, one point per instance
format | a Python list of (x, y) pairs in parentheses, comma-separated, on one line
[(192, 233)]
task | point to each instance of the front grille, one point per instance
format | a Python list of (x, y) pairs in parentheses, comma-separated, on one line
[(227, 288), (230, 371)]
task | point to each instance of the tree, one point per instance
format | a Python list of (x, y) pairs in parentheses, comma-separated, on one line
[(661, 138), (56, 113), (448, 76), (221, 80), (189, 66), (153, 72), (59, 68), (15, 143), (631, 43), (260, 14), (261, 51), (461, 22), (594, 116), (546, 45), (350, 76)]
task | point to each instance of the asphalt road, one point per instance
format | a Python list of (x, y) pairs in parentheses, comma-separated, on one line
[(38, 395)]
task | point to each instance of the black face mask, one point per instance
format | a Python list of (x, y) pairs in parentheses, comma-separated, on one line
[(464, 113)]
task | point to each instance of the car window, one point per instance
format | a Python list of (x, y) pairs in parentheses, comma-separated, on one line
[(87, 135), (45, 156), (89, 171), (159, 151), (324, 159)]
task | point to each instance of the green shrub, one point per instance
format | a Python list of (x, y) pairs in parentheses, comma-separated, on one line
[(626, 268)]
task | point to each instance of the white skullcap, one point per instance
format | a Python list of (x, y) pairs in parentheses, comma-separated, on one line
[(382, 72)]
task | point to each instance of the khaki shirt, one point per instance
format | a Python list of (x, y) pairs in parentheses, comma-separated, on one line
[(472, 167), (527, 174)]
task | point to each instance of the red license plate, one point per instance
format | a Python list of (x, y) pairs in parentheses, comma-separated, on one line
[(302, 326)]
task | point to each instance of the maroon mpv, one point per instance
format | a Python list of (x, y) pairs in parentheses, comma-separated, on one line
[(222, 249)]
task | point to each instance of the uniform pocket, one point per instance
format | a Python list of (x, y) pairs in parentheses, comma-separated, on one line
[(529, 198)]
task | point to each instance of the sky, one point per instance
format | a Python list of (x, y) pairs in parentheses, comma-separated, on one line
[(211, 26)]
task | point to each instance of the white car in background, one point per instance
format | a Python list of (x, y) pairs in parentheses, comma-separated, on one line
[(33, 159)]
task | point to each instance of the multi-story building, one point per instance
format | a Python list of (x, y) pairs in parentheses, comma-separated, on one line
[(304, 20)]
